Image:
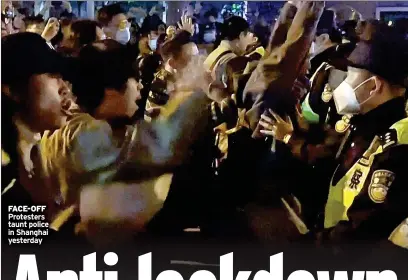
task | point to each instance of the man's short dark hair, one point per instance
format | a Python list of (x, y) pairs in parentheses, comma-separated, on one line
[(106, 13), (102, 65), (113, 10), (84, 31), (233, 27), (151, 23)]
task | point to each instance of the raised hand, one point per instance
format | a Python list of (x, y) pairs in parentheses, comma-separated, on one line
[(186, 24), (51, 29), (277, 128)]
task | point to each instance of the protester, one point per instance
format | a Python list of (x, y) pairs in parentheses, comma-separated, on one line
[(236, 37), (36, 99), (150, 31), (115, 24), (176, 54), (80, 33), (107, 102), (210, 29)]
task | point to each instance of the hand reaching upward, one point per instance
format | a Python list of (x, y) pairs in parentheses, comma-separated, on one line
[(186, 24)]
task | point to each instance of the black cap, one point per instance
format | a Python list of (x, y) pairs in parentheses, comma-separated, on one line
[(26, 54), (385, 55)]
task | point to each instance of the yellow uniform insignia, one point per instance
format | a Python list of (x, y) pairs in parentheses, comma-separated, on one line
[(381, 180), (343, 124), (342, 194), (327, 93)]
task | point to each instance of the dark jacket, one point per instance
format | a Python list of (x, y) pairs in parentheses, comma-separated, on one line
[(374, 214)]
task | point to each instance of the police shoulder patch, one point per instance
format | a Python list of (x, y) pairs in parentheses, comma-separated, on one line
[(381, 181)]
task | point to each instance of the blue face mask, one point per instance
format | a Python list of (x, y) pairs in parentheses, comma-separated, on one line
[(153, 44), (123, 36)]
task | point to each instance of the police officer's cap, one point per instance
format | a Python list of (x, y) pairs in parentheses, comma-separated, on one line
[(385, 55)]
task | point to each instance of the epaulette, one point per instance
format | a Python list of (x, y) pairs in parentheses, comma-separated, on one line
[(389, 139), (327, 93), (343, 125)]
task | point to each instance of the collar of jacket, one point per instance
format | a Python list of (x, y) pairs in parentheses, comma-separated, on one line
[(381, 118), (225, 45)]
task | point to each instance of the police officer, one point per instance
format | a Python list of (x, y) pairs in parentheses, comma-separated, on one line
[(367, 191), (368, 188)]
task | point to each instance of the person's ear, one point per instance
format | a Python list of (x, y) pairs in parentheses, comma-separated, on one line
[(172, 63), (378, 85), (242, 35)]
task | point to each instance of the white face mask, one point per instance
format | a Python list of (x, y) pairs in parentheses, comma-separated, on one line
[(153, 44), (123, 36), (209, 36), (346, 100)]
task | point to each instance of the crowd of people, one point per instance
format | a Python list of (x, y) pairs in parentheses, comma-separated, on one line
[(299, 138)]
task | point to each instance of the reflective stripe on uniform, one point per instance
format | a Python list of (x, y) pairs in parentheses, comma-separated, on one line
[(308, 113), (342, 195)]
